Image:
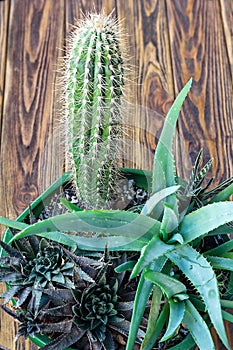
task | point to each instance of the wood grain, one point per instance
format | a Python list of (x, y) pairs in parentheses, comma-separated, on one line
[(198, 49), (147, 28), (227, 18), (34, 36), (80, 8), (4, 14), (28, 105), (7, 327)]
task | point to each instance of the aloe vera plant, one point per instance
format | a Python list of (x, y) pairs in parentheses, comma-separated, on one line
[(94, 91), (169, 234)]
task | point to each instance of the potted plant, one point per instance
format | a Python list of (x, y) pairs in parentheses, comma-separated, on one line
[(158, 273)]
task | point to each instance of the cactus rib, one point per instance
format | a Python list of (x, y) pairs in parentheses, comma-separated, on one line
[(94, 92)]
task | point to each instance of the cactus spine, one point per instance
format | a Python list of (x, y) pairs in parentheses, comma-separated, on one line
[(94, 91)]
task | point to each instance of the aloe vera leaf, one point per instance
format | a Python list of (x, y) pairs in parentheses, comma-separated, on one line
[(128, 265), (223, 248), (144, 290), (220, 262), (199, 271), (13, 223), (176, 315), (153, 250), (197, 302), (164, 169), (169, 222), (149, 339), (172, 288), (205, 219), (187, 344), (149, 343), (227, 303), (156, 198), (222, 230), (70, 206), (38, 204), (108, 222), (227, 316), (140, 301), (169, 285), (176, 238), (197, 327), (114, 243)]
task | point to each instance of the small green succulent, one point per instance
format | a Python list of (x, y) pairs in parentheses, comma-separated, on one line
[(34, 266), (90, 311), (96, 307), (49, 267)]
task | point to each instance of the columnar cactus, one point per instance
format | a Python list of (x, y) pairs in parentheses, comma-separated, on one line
[(94, 92)]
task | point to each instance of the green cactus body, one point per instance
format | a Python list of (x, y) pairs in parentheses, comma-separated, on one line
[(94, 94)]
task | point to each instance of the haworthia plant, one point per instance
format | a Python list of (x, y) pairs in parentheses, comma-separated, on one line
[(94, 91)]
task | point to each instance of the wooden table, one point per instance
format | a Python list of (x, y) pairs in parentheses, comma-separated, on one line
[(168, 42)]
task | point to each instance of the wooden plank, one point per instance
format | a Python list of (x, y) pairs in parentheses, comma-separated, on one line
[(6, 325), (152, 89), (35, 33), (165, 38), (34, 37), (4, 13), (199, 50), (78, 9), (227, 18)]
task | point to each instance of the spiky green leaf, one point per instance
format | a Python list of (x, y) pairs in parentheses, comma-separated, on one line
[(198, 270), (197, 327), (70, 206), (153, 250), (164, 171), (155, 309), (169, 285), (172, 288), (176, 315), (205, 219), (220, 250), (224, 194), (221, 263), (156, 198), (149, 341), (13, 223), (169, 222), (144, 290), (108, 222)]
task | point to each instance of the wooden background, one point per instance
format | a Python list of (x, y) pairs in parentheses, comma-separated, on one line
[(169, 41)]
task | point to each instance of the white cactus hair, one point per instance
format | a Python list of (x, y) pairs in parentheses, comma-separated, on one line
[(94, 92)]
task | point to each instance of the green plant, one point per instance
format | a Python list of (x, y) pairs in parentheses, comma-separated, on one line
[(78, 298), (94, 91), (169, 233)]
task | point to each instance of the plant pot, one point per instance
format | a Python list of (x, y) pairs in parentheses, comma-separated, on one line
[(142, 180)]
